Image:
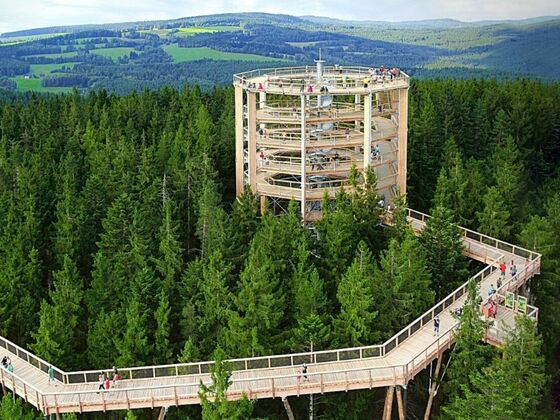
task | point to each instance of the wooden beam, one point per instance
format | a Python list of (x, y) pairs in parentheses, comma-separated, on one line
[(388, 409), (288, 408), (400, 404), (252, 132), (402, 143), (238, 139), (162, 413), (433, 388)]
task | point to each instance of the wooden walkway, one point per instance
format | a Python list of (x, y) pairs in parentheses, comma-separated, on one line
[(394, 362)]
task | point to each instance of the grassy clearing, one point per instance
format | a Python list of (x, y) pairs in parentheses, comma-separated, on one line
[(45, 69), (188, 31), (193, 30), (27, 85), (13, 40), (190, 54), (114, 52)]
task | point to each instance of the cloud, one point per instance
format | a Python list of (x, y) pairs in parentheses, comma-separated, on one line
[(25, 14)]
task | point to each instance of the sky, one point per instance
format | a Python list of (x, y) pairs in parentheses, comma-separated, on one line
[(27, 14)]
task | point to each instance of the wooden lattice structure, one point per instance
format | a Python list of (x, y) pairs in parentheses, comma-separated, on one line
[(300, 131)]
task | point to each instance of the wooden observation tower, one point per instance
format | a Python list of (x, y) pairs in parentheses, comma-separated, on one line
[(301, 130)]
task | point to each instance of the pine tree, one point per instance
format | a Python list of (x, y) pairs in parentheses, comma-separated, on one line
[(470, 355), (452, 183), (13, 408), (133, 347), (215, 405), (494, 219), (59, 338), (354, 325), (402, 284), (511, 387), (443, 247), (216, 303), (260, 307), (162, 347), (509, 175)]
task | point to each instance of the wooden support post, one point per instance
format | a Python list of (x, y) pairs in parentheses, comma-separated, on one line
[(303, 177), (367, 130), (400, 404), (388, 409), (433, 388), (252, 133), (289, 411), (402, 143), (162, 413), (238, 139)]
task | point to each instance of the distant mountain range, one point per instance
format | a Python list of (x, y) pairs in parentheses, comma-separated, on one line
[(206, 50), (267, 18)]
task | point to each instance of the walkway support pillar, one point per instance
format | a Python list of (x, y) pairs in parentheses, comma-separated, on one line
[(162, 413), (433, 387), (252, 133), (239, 139), (303, 156), (367, 130), (289, 411), (400, 404), (388, 409), (402, 142)]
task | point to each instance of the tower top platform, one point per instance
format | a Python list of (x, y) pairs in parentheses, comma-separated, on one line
[(320, 80)]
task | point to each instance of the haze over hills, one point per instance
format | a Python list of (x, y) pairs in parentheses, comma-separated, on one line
[(206, 50)]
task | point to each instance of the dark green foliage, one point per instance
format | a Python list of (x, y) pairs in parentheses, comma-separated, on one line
[(470, 354), (443, 246), (215, 405), (121, 208), (11, 409), (511, 386)]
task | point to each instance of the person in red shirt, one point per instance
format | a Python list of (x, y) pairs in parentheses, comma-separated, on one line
[(503, 269)]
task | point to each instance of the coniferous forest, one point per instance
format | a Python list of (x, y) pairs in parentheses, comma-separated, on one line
[(122, 244)]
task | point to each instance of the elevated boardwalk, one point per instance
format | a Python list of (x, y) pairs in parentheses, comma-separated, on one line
[(394, 362)]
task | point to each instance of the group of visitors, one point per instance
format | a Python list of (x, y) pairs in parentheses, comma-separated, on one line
[(104, 381)]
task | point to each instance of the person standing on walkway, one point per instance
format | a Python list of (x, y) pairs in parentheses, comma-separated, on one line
[(116, 376), (50, 372), (436, 325), (503, 269), (304, 372), (513, 270), (101, 380)]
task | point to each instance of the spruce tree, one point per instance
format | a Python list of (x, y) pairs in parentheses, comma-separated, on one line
[(443, 247), (215, 405), (354, 324), (470, 355), (494, 219), (60, 336)]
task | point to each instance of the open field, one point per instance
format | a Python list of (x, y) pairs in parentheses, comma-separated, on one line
[(114, 52), (22, 39), (27, 85), (191, 54), (188, 31)]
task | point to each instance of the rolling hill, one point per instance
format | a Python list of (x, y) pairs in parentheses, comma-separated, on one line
[(206, 50)]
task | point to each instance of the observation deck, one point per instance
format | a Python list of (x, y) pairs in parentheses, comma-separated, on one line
[(300, 131)]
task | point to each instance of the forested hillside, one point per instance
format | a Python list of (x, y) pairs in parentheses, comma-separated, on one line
[(207, 50), (121, 241)]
